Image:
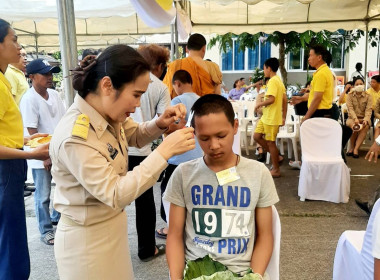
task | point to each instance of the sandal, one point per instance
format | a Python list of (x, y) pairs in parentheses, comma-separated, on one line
[(48, 238), (161, 234), (295, 164), (161, 248)]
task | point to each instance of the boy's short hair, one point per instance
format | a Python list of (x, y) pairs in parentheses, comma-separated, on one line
[(213, 104), (273, 63), (196, 42), (183, 76)]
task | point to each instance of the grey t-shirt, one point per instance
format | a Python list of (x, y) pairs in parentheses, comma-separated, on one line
[(220, 220), (154, 101)]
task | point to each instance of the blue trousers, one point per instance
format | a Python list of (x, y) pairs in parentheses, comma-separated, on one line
[(42, 181), (14, 254)]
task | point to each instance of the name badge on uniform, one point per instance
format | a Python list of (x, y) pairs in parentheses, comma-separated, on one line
[(113, 152), (227, 176)]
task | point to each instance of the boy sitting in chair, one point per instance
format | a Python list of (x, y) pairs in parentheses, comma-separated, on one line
[(220, 203)]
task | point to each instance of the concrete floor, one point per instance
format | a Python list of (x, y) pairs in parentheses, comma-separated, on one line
[(310, 230)]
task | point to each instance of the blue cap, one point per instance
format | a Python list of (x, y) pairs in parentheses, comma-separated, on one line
[(41, 66)]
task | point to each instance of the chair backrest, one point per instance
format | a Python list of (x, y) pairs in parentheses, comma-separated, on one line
[(273, 268), (321, 139), (366, 253)]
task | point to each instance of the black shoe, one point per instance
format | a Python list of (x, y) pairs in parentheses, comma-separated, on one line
[(363, 206), (262, 157), (29, 189), (27, 193), (54, 223)]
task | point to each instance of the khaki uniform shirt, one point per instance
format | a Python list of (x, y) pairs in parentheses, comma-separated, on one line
[(359, 106), (93, 184), (377, 109)]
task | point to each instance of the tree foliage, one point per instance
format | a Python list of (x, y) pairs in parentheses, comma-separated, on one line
[(289, 42)]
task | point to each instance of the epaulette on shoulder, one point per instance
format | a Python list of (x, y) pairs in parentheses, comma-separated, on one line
[(81, 127)]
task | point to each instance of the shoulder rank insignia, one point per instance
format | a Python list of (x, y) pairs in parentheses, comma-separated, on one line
[(81, 127)]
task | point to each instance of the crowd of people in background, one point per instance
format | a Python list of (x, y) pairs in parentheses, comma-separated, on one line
[(102, 156)]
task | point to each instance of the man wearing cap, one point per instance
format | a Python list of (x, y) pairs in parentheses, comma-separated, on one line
[(41, 110)]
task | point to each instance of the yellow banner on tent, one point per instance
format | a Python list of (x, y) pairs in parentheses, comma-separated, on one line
[(165, 4)]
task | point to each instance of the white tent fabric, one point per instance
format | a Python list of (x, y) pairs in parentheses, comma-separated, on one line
[(253, 16), (100, 22)]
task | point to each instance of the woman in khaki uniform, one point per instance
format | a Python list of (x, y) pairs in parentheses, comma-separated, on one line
[(359, 106), (89, 152)]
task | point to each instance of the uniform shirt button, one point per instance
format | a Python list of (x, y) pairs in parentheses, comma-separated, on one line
[(100, 128)]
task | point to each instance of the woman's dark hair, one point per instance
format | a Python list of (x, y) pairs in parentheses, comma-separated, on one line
[(4, 29), (358, 66), (213, 104), (357, 78), (349, 83), (121, 63), (236, 83), (376, 78)]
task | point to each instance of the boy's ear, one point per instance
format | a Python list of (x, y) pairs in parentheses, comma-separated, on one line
[(236, 126)]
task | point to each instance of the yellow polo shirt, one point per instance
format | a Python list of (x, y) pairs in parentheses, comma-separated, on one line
[(323, 81), (11, 127), (272, 114), (375, 95), (18, 82)]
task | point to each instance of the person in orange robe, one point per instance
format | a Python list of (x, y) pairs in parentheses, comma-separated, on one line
[(206, 75)]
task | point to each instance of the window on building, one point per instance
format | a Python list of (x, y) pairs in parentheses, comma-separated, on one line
[(236, 60), (298, 60)]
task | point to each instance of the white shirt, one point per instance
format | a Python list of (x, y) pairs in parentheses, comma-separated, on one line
[(37, 112)]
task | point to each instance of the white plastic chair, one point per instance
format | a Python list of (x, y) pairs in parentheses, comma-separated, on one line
[(245, 115), (353, 256), (324, 175), (293, 121), (273, 268)]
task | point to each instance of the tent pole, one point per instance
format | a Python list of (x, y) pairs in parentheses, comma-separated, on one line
[(366, 54), (176, 38), (68, 45), (171, 42)]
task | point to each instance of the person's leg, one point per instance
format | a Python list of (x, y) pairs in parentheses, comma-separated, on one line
[(42, 181), (145, 217), (168, 173), (274, 155), (353, 138), (359, 141), (260, 139), (14, 254)]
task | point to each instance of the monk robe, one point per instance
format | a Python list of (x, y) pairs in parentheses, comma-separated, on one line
[(203, 82)]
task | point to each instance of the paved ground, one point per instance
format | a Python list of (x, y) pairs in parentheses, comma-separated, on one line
[(310, 230)]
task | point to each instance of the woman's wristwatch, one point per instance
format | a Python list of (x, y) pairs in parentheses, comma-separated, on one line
[(377, 140)]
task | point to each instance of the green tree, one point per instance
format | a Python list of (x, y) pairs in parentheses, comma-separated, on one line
[(288, 42)]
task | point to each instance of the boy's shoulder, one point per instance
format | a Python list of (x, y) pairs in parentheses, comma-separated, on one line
[(191, 164), (251, 163)]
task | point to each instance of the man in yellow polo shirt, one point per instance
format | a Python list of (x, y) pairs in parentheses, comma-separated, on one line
[(15, 74), (322, 86), (274, 113)]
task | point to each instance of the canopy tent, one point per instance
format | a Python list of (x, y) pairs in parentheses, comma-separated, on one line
[(100, 23), (267, 16)]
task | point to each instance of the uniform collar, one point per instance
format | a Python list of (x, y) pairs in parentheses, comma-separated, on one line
[(96, 120), (5, 81), (356, 94)]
